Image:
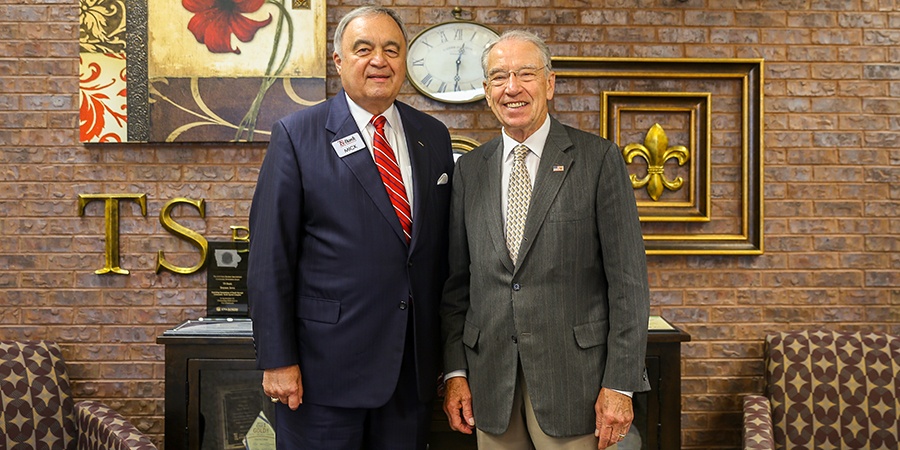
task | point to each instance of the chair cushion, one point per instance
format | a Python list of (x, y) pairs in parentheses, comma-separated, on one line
[(37, 407), (832, 389)]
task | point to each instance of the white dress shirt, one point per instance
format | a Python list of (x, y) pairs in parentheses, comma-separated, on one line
[(393, 131)]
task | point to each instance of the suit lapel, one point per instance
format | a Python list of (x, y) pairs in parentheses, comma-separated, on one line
[(492, 167), (419, 159), (555, 165), (340, 122)]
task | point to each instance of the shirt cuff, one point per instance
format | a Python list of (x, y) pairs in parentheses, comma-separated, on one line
[(628, 393), (454, 374)]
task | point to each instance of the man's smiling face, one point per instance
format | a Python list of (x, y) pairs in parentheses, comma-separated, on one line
[(521, 106)]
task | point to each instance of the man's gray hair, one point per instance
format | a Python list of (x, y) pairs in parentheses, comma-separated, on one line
[(517, 35), (362, 12)]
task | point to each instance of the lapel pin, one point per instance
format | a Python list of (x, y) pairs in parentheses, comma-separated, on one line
[(421, 144), (559, 168)]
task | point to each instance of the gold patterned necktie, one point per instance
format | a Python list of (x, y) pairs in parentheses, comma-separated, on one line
[(519, 196)]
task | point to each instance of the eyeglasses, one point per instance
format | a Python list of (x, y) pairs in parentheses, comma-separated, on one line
[(524, 75)]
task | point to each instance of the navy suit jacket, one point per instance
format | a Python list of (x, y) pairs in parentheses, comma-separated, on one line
[(332, 281)]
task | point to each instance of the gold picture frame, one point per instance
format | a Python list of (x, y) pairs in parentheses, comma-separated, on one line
[(720, 210)]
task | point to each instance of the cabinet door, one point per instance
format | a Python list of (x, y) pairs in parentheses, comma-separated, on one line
[(644, 431), (224, 398)]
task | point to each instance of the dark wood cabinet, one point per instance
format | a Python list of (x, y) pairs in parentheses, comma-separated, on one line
[(212, 389), (659, 410)]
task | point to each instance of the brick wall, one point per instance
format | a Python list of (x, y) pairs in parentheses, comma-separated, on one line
[(832, 189)]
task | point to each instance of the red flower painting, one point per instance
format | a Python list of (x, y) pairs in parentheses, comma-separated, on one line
[(96, 106), (215, 21)]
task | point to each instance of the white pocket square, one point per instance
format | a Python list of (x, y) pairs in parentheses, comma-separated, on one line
[(443, 179)]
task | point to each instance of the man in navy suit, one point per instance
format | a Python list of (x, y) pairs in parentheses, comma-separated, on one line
[(347, 261)]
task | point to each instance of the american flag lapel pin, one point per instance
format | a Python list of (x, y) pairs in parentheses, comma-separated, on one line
[(559, 168)]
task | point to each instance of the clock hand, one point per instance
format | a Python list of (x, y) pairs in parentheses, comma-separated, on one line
[(462, 49)]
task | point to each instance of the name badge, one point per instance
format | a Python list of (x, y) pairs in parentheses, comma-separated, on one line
[(347, 145)]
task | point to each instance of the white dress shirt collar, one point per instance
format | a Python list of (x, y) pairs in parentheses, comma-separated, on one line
[(535, 142), (363, 117)]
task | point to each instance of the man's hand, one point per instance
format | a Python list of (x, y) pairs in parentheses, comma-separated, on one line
[(458, 405), (285, 384), (614, 416)]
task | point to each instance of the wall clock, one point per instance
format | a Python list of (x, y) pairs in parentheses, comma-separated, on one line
[(444, 61)]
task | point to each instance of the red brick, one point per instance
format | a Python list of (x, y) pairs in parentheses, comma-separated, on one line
[(830, 186), (839, 314), (811, 20), (814, 261), (882, 208), (129, 334), (552, 16), (603, 16), (838, 243), (693, 386), (793, 105), (883, 313), (23, 13), (735, 384), (837, 208), (881, 37), (889, 243), (694, 350), (865, 296), (882, 139), (838, 37), (129, 370), (737, 349), (785, 36), (711, 402), (711, 19), (861, 54)]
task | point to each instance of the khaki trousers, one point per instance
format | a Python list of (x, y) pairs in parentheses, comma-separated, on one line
[(524, 433)]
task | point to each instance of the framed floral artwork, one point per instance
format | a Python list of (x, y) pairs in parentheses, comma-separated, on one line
[(197, 70), (103, 111)]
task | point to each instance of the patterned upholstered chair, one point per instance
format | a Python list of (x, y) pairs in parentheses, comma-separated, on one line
[(37, 410), (827, 390)]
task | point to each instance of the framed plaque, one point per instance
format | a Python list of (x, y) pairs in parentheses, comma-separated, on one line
[(226, 279)]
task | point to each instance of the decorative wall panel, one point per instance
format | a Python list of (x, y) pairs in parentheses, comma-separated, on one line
[(691, 132)]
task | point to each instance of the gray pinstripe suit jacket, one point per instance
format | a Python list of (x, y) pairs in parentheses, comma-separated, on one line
[(575, 309)]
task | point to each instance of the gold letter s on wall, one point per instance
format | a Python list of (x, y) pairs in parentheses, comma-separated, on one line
[(194, 238)]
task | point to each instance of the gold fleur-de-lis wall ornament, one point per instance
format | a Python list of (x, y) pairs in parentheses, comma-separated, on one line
[(656, 152)]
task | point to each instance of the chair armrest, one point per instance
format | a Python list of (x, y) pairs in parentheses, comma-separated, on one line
[(99, 426), (757, 432)]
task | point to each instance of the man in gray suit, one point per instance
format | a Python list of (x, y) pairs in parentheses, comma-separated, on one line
[(544, 315)]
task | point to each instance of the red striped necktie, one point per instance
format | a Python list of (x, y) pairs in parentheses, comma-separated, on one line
[(390, 175)]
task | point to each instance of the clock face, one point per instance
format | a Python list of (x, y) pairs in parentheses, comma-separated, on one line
[(444, 61)]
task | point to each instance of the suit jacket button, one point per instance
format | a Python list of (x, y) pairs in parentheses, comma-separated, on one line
[(403, 305), (514, 339), (516, 286)]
